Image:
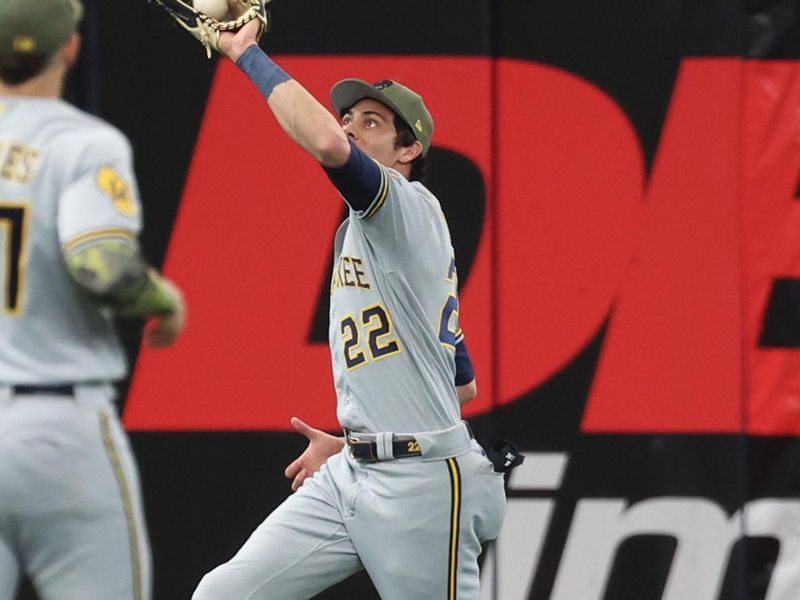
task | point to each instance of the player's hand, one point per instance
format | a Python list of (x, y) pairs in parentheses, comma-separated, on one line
[(233, 45), (321, 446), (162, 330)]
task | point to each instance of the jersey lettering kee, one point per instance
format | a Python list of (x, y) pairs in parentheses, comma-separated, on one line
[(394, 313)]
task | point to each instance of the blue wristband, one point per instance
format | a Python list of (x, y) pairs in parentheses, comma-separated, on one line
[(261, 70)]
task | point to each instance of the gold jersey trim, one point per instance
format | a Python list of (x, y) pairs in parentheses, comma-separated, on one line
[(380, 199), (96, 234), (127, 504), (455, 522)]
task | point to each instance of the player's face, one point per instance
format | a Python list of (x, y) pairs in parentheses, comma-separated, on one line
[(370, 125)]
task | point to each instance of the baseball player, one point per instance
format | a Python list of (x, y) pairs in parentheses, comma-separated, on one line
[(70, 507), (406, 494)]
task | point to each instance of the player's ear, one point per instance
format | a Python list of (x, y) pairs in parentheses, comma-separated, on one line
[(71, 50), (409, 153)]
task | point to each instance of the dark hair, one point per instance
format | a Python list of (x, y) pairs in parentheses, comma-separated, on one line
[(16, 69), (405, 138)]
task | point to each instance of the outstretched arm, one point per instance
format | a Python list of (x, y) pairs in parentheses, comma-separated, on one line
[(300, 115)]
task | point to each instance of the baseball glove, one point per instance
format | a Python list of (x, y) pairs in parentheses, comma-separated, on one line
[(207, 29)]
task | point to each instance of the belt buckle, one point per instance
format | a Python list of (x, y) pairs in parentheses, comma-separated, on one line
[(355, 442), (370, 446)]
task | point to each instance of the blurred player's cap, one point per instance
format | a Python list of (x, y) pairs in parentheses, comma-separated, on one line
[(402, 100), (37, 26)]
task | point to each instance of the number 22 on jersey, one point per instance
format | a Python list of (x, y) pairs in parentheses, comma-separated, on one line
[(374, 325)]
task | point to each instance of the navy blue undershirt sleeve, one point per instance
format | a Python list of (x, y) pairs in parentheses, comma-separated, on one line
[(465, 372), (358, 180)]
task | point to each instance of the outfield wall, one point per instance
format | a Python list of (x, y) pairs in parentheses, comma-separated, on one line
[(622, 180)]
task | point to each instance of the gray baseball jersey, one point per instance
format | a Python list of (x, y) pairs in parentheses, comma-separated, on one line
[(411, 496), (65, 178), (70, 507), (415, 524), (394, 313)]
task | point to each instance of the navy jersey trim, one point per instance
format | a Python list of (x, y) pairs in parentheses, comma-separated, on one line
[(380, 199), (465, 371), (361, 182)]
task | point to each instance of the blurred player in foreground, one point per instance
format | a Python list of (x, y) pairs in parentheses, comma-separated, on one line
[(407, 493), (70, 507)]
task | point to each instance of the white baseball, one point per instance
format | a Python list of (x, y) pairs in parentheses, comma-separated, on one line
[(216, 9)]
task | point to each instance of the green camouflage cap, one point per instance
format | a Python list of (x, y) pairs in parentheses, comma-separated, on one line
[(402, 100), (37, 26)]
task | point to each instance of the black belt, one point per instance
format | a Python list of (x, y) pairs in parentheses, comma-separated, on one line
[(403, 446), (43, 390)]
